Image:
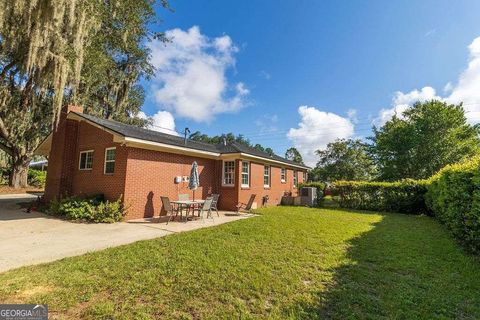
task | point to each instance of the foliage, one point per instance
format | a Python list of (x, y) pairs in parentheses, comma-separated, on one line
[(406, 196), (315, 184), (454, 197), (229, 138), (288, 263), (55, 52), (37, 178), (344, 159), (90, 210), (424, 139), (293, 154)]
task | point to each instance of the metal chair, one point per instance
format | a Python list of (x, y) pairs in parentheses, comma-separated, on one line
[(167, 206), (206, 207), (214, 203), (246, 206)]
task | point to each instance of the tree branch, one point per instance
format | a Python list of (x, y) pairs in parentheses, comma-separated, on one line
[(6, 148)]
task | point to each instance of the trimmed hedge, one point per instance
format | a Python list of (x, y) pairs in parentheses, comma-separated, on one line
[(316, 184), (454, 197), (406, 196)]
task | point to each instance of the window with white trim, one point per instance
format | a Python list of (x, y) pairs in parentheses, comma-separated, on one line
[(283, 175), (295, 178), (266, 176), (245, 173), (86, 160), (305, 176), (109, 160), (228, 173)]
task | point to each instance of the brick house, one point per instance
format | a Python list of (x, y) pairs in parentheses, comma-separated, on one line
[(89, 155)]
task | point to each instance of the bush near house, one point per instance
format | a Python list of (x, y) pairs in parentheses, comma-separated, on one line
[(454, 197), (406, 196), (320, 187), (93, 209), (37, 178)]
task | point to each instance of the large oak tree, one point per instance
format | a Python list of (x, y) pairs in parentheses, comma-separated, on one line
[(54, 52)]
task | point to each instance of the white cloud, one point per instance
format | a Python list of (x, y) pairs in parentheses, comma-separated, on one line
[(163, 121), (265, 75), (190, 80), (402, 101), (430, 32), (466, 90), (267, 123), (316, 129)]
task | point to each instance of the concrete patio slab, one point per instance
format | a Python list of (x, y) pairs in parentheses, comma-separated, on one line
[(32, 238)]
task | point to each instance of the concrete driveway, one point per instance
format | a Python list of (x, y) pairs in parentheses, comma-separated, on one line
[(32, 238)]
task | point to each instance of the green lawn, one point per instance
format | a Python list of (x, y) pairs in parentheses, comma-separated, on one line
[(286, 263)]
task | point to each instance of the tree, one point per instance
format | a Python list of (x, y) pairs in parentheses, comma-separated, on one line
[(292, 154), (426, 137), (344, 160), (55, 52), (229, 137)]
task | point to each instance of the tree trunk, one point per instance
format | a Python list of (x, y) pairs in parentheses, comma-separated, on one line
[(19, 174)]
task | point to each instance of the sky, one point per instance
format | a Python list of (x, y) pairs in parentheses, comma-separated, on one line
[(304, 73)]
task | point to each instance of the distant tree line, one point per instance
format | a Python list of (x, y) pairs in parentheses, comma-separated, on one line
[(229, 137), (415, 144)]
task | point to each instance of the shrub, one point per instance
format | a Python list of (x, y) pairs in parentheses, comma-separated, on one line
[(406, 196), (454, 197), (37, 178), (90, 210)]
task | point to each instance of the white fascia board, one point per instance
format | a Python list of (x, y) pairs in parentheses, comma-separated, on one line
[(134, 142), (284, 164)]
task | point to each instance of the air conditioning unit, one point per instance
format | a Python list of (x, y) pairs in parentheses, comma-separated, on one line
[(309, 196)]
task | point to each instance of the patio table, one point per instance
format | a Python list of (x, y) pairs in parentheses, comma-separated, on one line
[(188, 204)]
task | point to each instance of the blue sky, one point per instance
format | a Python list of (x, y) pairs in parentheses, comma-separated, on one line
[(248, 66)]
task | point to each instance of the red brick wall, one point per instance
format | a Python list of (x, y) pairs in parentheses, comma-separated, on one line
[(61, 160), (151, 174), (88, 182), (276, 189)]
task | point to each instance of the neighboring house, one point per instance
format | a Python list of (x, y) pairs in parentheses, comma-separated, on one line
[(89, 155)]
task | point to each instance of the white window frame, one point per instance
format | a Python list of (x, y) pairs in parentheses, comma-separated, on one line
[(233, 174), (247, 174), (265, 176), (80, 160), (305, 176), (105, 161), (283, 175), (295, 178)]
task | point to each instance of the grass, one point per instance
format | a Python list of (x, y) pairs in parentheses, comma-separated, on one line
[(287, 263)]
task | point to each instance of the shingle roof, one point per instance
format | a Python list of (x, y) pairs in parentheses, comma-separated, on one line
[(160, 137)]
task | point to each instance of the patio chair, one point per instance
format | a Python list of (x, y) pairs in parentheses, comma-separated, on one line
[(206, 207), (167, 206), (246, 206), (214, 203)]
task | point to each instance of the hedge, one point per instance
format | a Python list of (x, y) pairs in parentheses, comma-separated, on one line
[(454, 197), (406, 196), (92, 209), (319, 185)]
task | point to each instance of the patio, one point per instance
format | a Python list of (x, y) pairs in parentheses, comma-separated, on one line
[(33, 238)]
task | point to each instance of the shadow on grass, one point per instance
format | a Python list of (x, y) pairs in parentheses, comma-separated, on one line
[(406, 267)]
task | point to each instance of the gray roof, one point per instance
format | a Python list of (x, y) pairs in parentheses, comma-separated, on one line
[(160, 137)]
